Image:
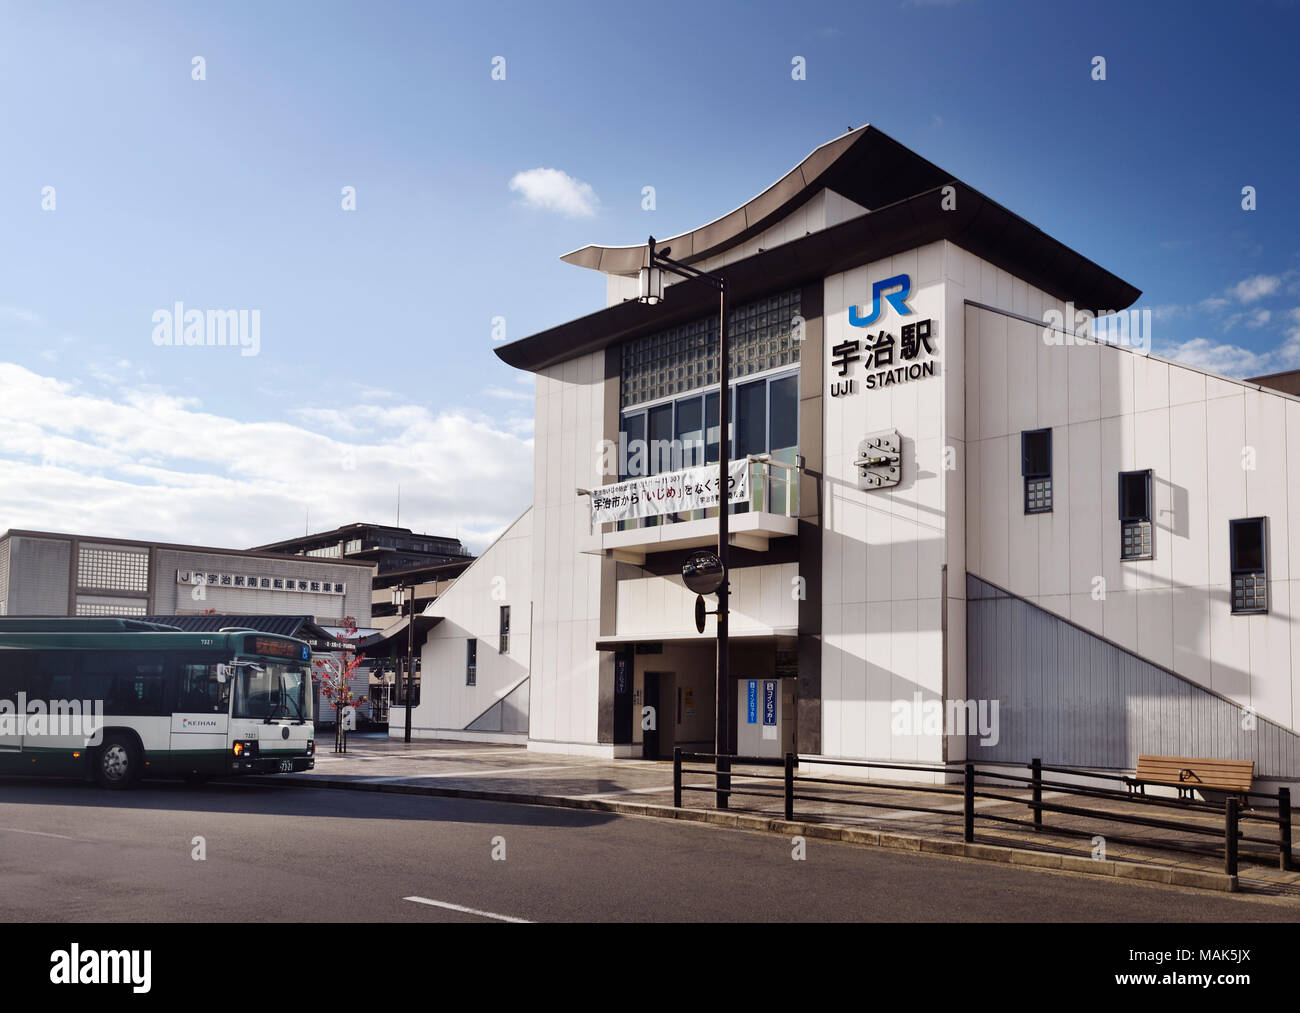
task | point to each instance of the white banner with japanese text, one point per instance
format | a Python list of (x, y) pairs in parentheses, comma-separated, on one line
[(670, 493)]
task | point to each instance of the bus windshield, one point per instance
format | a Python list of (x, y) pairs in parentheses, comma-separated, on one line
[(267, 690)]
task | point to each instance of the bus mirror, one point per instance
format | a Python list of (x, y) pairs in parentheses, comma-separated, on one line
[(222, 673)]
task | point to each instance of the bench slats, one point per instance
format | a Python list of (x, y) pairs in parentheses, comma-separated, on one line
[(1190, 772)]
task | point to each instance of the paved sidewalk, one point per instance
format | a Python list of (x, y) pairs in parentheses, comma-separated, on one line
[(493, 769)]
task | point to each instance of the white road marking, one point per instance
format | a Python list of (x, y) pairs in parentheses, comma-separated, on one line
[(466, 910), (39, 833)]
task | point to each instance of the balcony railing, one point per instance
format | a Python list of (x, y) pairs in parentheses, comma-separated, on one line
[(773, 489)]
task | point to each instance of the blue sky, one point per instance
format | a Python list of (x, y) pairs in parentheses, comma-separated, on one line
[(375, 365)]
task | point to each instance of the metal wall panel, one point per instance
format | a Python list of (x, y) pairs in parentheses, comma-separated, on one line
[(1071, 698), (38, 576), (4, 575)]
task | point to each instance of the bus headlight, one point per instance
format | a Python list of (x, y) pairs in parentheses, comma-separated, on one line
[(244, 749), (311, 747)]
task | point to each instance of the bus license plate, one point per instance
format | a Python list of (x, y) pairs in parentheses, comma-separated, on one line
[(286, 766)]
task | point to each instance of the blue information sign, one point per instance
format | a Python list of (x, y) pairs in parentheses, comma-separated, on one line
[(769, 701), (752, 716)]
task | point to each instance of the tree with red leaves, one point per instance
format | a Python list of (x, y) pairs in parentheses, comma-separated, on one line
[(335, 683)]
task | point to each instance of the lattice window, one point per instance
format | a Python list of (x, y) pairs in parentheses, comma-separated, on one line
[(112, 569), (86, 608), (685, 357)]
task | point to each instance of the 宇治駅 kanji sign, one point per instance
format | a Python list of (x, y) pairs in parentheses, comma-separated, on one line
[(884, 360)]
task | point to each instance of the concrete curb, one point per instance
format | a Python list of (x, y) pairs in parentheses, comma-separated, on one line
[(1164, 875)]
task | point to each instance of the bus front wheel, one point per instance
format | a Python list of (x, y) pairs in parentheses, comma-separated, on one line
[(117, 764)]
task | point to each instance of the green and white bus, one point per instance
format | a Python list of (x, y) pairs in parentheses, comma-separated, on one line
[(118, 699)]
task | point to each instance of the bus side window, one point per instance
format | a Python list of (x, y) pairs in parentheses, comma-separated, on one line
[(60, 669), (201, 692), (139, 685), (20, 672)]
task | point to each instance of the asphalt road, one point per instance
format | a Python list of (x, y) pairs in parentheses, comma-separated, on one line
[(72, 852)]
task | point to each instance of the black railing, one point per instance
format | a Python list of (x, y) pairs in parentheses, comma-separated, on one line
[(790, 786)]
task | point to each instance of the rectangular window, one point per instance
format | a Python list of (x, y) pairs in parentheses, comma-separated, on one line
[(751, 419), (689, 431), (632, 463), (711, 445), (783, 428), (1248, 546), (505, 629), (1036, 467), (1135, 509), (660, 425), (471, 663)]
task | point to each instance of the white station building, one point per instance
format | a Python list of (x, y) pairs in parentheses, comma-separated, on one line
[(967, 528)]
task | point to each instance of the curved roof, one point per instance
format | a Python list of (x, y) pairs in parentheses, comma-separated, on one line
[(884, 171), (908, 206)]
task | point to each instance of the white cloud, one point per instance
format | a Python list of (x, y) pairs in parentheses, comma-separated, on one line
[(1256, 287), (509, 395), (23, 315), (1233, 360), (147, 465), (554, 190), (1229, 360)]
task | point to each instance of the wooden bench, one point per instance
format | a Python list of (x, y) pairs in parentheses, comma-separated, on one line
[(1192, 774)]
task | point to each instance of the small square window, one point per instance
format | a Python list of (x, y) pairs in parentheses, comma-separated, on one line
[(1137, 533), (1036, 468), (1248, 551)]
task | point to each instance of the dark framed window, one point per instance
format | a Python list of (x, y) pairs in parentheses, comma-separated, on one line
[(666, 437), (751, 419), (1248, 549), (1137, 535), (471, 663), (505, 629), (1036, 467)]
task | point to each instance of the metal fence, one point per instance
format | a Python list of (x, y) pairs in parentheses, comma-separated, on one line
[(1237, 813)]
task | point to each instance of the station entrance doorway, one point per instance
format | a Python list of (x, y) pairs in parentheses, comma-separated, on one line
[(671, 697)]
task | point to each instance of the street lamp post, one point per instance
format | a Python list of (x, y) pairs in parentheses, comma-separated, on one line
[(652, 292), (399, 594)]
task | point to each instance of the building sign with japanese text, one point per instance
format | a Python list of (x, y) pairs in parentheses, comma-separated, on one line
[(882, 358)]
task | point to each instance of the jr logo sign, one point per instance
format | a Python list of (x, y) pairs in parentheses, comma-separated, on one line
[(898, 300)]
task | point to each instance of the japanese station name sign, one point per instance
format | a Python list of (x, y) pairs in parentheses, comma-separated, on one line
[(885, 360), (670, 493)]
